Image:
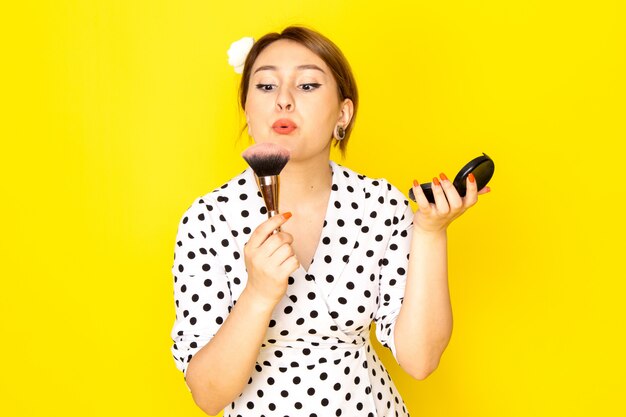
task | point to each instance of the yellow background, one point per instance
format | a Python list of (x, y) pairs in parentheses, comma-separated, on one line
[(117, 114)]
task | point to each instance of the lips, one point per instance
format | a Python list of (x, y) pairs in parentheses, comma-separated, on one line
[(284, 126)]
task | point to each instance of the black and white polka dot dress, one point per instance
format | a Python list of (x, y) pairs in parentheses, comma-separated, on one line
[(317, 358)]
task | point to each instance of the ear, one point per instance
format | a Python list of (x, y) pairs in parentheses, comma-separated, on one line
[(346, 110)]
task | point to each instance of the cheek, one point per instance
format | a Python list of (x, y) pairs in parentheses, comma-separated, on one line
[(329, 118), (253, 113), (324, 110)]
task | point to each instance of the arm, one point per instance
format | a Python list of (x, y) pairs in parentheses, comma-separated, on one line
[(217, 339), (424, 324), (220, 370)]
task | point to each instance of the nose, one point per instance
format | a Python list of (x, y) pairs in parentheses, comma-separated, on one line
[(284, 100)]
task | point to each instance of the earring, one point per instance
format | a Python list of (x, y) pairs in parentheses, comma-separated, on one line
[(341, 133)]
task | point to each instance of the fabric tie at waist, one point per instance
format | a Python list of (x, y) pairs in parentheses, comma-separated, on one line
[(294, 354)]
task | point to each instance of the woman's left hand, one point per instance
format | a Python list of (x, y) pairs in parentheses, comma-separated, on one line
[(448, 203)]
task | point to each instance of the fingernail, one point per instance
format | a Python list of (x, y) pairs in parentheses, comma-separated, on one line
[(443, 176), (471, 177), (435, 180), (286, 215), (415, 183)]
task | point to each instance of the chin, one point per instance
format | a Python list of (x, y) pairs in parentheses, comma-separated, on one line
[(283, 140)]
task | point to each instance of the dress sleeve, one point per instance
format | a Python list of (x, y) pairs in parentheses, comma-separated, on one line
[(393, 272), (202, 294)]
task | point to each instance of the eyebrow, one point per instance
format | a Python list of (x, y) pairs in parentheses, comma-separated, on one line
[(299, 67)]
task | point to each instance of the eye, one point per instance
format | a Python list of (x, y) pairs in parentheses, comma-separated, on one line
[(265, 87), (309, 86)]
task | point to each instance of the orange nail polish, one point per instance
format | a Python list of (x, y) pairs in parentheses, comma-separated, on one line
[(443, 176), (415, 183), (471, 178), (287, 215), (435, 181)]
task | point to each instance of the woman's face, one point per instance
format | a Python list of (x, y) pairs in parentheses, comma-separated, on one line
[(292, 100)]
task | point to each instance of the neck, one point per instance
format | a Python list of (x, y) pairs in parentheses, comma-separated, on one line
[(304, 181)]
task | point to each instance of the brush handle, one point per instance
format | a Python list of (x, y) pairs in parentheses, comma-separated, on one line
[(269, 186)]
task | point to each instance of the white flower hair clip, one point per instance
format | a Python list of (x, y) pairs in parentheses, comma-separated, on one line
[(238, 52)]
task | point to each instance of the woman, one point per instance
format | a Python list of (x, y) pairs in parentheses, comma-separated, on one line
[(278, 324)]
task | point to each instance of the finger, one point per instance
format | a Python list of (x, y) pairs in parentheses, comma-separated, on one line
[(454, 199), (274, 242), (422, 202), (281, 254), (471, 195), (484, 190), (289, 265), (440, 198), (266, 228)]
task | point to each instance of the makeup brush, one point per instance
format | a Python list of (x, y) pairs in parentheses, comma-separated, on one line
[(267, 160)]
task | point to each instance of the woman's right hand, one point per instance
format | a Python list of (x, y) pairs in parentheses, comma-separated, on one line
[(270, 260)]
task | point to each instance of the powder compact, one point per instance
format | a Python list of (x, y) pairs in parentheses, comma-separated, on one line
[(482, 167)]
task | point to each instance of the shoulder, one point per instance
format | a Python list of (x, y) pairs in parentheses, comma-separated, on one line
[(378, 187), (221, 199), (383, 203), (237, 188), (232, 188)]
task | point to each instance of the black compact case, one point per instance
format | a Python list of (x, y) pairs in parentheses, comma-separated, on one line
[(482, 167)]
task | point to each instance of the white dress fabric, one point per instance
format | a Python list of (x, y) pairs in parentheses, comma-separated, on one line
[(317, 358)]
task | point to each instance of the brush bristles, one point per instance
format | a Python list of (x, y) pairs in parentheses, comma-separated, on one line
[(266, 159)]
